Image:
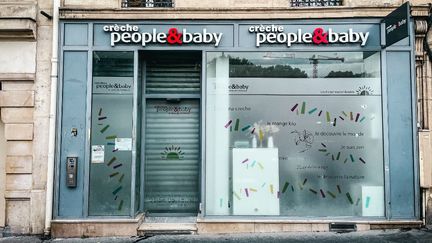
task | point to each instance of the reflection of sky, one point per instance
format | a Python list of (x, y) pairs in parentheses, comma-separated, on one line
[(357, 62)]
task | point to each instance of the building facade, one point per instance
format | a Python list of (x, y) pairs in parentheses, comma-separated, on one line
[(25, 43), (178, 116)]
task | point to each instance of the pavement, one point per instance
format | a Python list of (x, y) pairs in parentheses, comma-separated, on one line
[(402, 236)]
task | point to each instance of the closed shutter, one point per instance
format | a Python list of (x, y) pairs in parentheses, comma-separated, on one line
[(179, 76), (172, 145)]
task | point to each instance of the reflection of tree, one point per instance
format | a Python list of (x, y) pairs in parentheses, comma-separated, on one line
[(244, 68), (347, 74), (240, 61)]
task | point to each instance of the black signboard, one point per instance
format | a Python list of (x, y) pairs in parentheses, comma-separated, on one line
[(396, 24)]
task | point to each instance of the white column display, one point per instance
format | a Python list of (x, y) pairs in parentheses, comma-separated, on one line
[(218, 166)]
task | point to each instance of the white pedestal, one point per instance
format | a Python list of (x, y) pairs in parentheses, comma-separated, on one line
[(255, 180)]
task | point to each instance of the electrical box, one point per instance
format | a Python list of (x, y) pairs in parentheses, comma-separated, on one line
[(71, 171)]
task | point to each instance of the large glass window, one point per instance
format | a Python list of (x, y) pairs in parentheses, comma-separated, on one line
[(111, 134), (294, 134)]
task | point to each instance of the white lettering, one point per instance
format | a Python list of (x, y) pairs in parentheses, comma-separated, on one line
[(333, 37), (207, 37), (307, 38), (299, 35), (343, 37), (115, 37), (281, 38), (260, 38), (126, 37), (146, 38), (364, 37), (218, 38), (280, 28), (161, 38), (271, 38), (292, 37), (187, 37), (154, 35), (136, 37), (197, 38)]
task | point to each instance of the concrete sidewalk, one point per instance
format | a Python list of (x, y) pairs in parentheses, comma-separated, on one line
[(418, 236)]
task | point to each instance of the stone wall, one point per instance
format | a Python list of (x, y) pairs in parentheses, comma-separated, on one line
[(24, 102)]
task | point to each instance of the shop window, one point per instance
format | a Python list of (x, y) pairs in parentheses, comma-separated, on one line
[(147, 3), (315, 3), (111, 134), (294, 134)]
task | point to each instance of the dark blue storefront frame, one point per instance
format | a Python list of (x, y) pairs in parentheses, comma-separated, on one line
[(72, 203)]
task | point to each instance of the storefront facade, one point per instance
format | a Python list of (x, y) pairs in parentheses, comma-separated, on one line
[(234, 121)]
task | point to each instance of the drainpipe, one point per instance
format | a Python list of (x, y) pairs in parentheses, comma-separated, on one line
[(52, 119)]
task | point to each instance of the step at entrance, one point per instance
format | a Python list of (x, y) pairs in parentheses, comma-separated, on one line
[(167, 225)]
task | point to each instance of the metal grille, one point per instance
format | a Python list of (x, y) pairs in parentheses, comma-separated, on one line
[(147, 3), (315, 3), (173, 75), (172, 152)]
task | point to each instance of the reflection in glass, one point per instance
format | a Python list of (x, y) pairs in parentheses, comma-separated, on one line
[(304, 64), (294, 134)]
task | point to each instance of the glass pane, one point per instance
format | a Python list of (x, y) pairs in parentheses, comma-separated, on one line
[(294, 134), (111, 134), (172, 156), (76, 34)]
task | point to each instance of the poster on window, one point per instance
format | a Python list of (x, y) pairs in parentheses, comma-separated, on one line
[(98, 154)]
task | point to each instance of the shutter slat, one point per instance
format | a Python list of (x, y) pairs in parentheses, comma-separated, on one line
[(172, 154), (168, 77)]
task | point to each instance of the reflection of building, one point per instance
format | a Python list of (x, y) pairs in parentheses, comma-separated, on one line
[(163, 111)]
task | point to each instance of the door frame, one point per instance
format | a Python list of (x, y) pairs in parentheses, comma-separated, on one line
[(143, 97)]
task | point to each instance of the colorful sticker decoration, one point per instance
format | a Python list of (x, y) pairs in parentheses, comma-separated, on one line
[(323, 193), (238, 127), (114, 174), (331, 119), (337, 156)]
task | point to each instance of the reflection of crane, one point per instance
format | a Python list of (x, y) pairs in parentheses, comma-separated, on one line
[(315, 59)]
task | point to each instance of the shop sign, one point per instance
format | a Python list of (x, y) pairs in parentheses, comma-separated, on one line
[(396, 24), (130, 34), (274, 34), (112, 85)]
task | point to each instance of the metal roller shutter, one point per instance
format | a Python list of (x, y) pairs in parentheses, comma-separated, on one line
[(168, 76), (172, 156)]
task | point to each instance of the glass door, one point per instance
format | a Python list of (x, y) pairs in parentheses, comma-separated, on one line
[(111, 162)]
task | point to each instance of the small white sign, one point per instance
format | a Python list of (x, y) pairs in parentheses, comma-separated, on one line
[(123, 144), (98, 154), (112, 85)]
